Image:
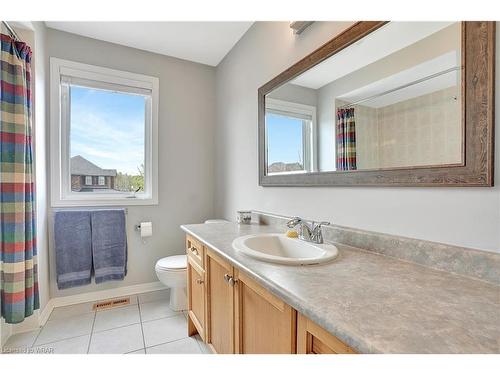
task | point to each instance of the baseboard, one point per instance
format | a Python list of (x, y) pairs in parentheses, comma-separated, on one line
[(45, 313), (40, 317)]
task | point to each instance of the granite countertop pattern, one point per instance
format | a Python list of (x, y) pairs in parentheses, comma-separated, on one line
[(374, 303)]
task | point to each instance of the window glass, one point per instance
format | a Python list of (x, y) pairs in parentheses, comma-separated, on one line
[(107, 139), (285, 143)]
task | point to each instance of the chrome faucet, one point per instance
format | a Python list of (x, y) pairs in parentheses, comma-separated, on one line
[(309, 233)]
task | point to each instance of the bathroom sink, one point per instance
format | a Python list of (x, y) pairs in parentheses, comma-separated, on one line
[(278, 248)]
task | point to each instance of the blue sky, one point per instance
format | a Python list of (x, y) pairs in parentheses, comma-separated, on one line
[(284, 137), (107, 128)]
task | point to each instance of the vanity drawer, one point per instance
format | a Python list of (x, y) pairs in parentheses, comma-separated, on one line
[(195, 250)]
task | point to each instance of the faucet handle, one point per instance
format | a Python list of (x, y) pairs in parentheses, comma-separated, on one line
[(317, 235), (293, 222), (320, 224)]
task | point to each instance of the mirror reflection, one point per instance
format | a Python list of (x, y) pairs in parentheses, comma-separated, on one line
[(390, 100)]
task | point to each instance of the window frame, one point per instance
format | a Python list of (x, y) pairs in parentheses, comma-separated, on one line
[(309, 136), (61, 194), (101, 178), (87, 178)]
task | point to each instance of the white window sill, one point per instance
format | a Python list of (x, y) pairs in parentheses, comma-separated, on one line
[(105, 202)]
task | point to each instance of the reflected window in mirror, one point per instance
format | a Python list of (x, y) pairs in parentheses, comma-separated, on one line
[(290, 137)]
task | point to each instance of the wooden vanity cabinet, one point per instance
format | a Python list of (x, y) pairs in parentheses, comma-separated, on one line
[(196, 287), (220, 306), (234, 314), (196, 299), (312, 339), (264, 323)]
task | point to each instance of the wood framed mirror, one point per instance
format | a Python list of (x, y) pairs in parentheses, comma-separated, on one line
[(384, 104)]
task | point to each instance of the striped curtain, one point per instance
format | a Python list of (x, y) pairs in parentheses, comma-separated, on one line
[(18, 265), (346, 140)]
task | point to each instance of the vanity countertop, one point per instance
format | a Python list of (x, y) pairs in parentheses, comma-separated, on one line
[(374, 303)]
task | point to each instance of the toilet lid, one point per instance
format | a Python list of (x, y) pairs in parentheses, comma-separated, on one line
[(176, 262)]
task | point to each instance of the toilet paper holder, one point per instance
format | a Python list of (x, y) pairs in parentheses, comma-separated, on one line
[(145, 230), (137, 227)]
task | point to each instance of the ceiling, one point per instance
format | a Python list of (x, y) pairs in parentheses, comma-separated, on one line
[(439, 64), (388, 39), (202, 42)]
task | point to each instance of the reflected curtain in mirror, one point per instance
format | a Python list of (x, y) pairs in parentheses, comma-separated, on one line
[(346, 139)]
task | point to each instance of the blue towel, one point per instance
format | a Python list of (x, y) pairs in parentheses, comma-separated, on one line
[(109, 245), (72, 239)]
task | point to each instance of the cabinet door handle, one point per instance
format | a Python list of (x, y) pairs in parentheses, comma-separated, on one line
[(199, 281), (229, 279), (194, 250)]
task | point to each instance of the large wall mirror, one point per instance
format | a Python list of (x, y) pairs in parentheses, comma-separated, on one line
[(384, 103)]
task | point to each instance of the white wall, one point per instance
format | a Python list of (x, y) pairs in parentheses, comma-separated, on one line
[(186, 149), (462, 216), (41, 158), (295, 94)]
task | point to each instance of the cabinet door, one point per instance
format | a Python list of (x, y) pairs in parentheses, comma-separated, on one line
[(312, 339), (264, 323), (196, 298), (220, 319)]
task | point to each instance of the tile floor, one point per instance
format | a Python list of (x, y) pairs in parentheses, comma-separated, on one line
[(146, 326)]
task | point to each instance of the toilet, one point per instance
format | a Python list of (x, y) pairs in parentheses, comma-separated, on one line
[(172, 272)]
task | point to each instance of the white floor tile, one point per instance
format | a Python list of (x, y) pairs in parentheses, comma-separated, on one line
[(156, 310), (164, 330), (20, 342), (163, 295), (118, 340), (64, 312), (60, 329), (116, 317), (76, 345), (184, 346)]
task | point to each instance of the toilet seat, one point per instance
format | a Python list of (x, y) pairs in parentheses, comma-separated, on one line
[(176, 263)]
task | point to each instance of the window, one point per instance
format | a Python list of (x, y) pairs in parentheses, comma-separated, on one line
[(106, 127), (290, 137)]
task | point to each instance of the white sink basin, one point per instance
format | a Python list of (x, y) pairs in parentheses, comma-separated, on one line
[(278, 248)]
